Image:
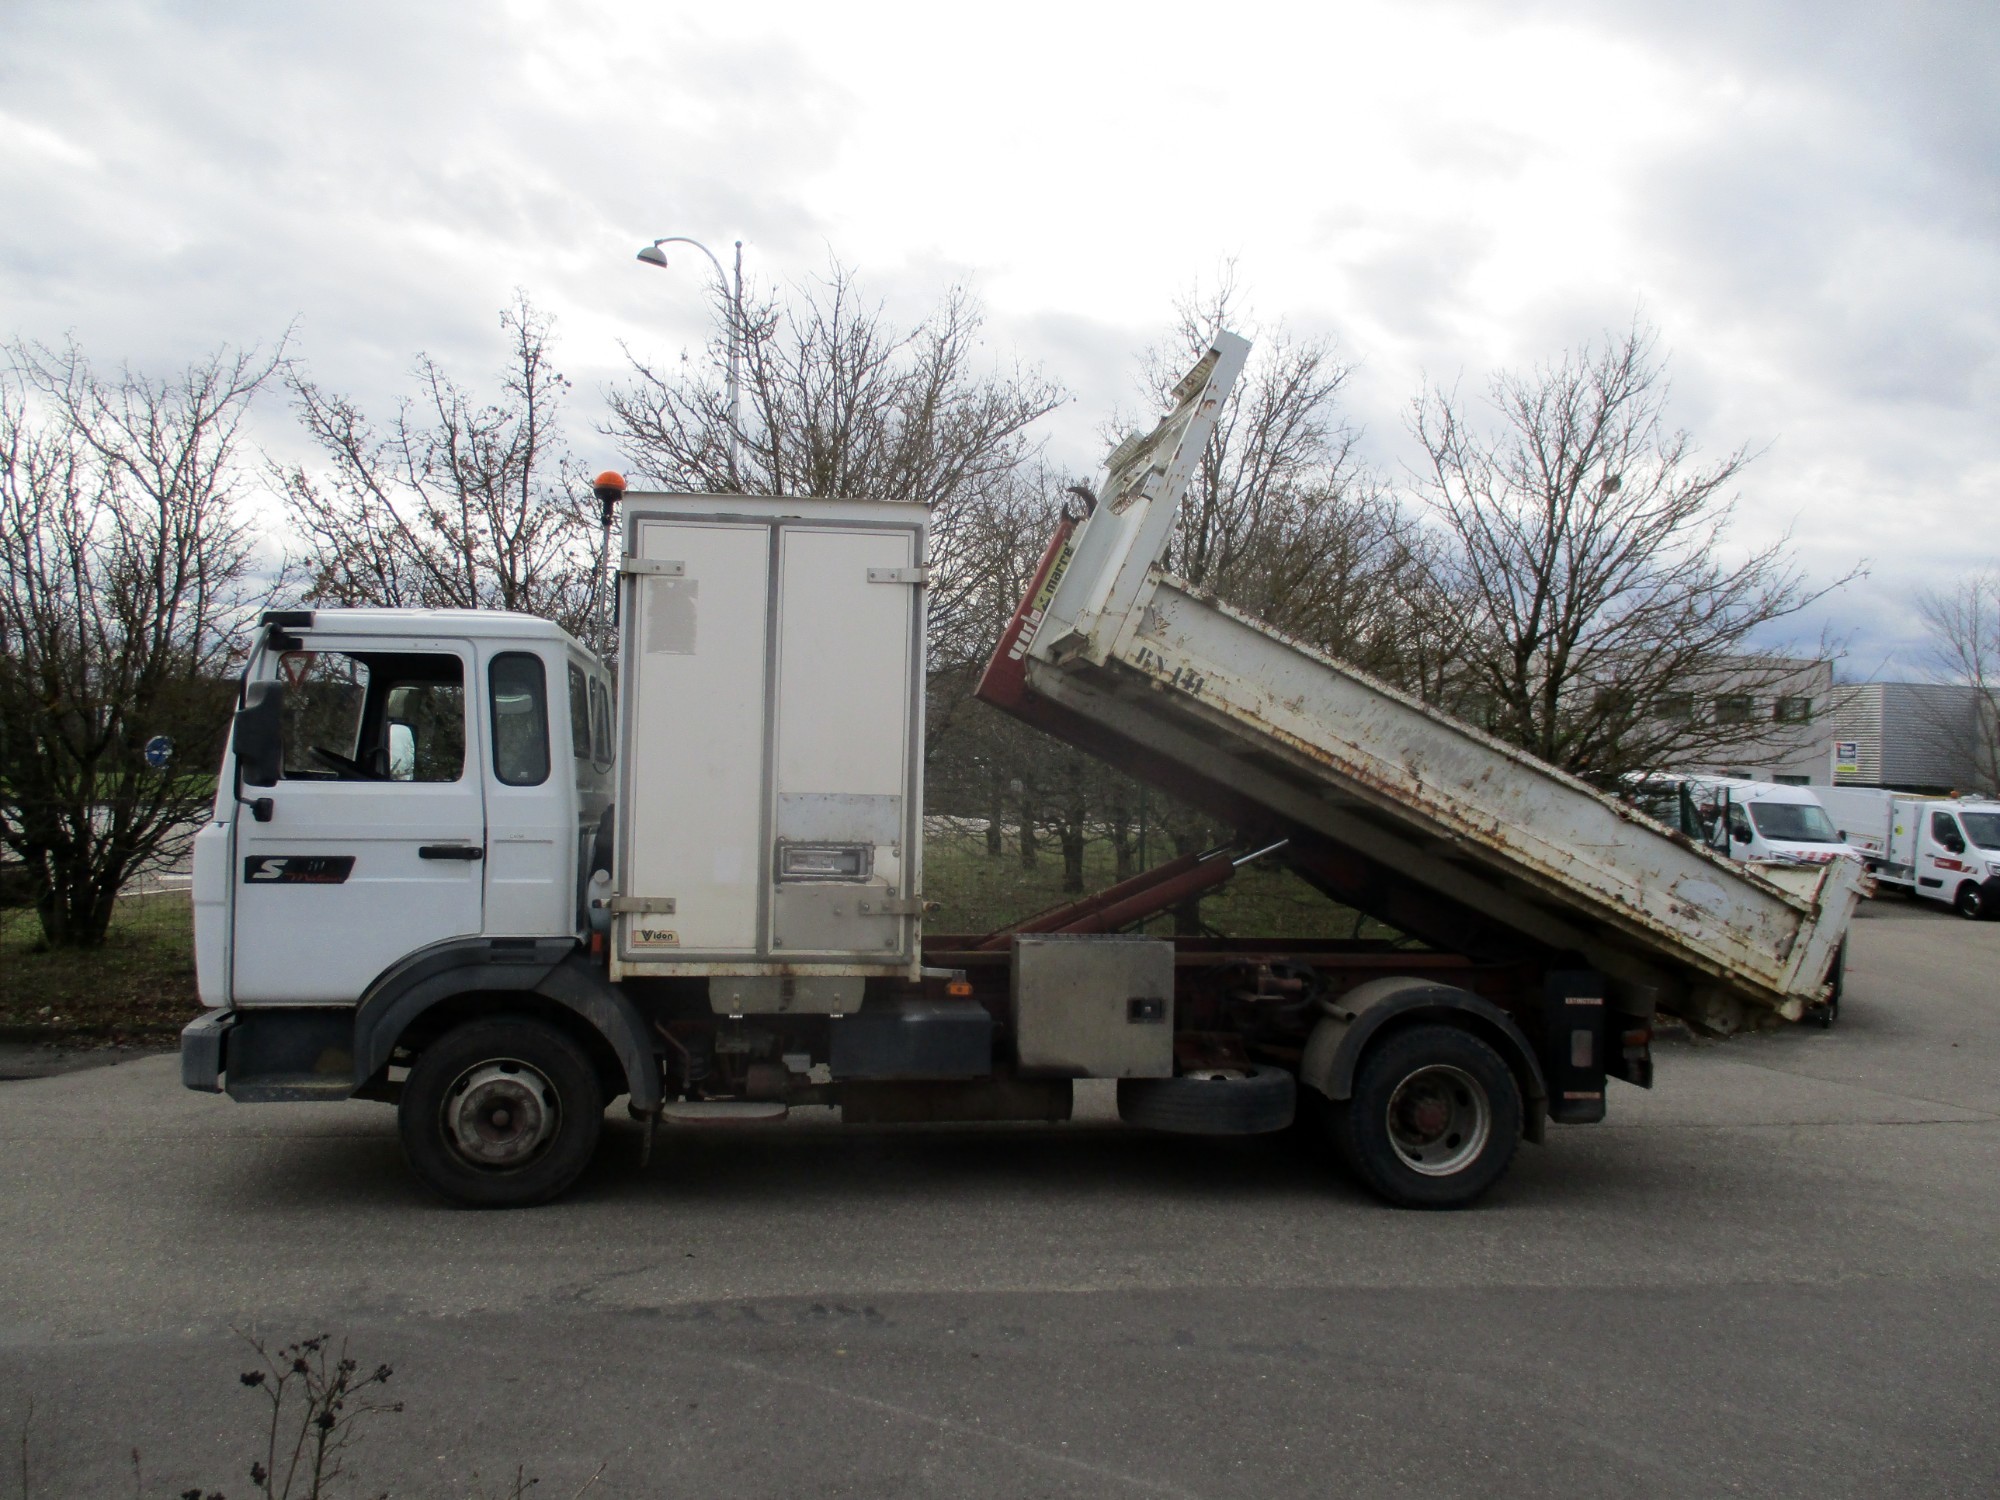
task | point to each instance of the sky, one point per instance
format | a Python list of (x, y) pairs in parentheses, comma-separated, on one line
[(1800, 195)]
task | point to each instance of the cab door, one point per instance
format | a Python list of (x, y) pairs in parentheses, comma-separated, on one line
[(1740, 837), (1942, 864), (376, 842)]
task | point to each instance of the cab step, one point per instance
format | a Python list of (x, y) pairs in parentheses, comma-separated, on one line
[(279, 1088), (724, 1112)]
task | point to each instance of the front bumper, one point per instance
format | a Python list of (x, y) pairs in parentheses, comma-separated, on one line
[(205, 1050)]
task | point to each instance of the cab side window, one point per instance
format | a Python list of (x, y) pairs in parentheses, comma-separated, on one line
[(373, 716), (1739, 823), (1944, 832), (519, 697), (326, 693), (601, 747), (579, 713)]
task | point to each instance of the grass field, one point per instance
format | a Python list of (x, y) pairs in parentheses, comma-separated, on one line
[(139, 987), (979, 892)]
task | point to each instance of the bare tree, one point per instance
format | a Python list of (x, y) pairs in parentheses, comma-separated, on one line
[(459, 502), (1589, 588), (1964, 629), (843, 403), (984, 552), (124, 569)]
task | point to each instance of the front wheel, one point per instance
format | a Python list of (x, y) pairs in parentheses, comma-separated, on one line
[(1971, 903), (1434, 1118), (501, 1113)]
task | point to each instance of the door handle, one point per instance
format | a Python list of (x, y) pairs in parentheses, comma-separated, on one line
[(450, 851)]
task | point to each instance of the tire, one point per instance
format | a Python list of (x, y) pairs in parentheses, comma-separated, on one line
[(1971, 902), (1434, 1118), (1256, 1103), (501, 1113)]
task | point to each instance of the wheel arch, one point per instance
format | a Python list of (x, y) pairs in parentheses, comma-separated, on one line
[(1371, 1012), (464, 979)]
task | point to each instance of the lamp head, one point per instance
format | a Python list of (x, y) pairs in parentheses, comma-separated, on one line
[(653, 255), (609, 488)]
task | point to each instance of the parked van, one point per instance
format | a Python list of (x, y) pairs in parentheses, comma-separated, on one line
[(1764, 821), (1943, 849)]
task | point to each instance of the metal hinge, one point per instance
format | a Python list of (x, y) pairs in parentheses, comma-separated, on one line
[(655, 906), (651, 567), (892, 906), (899, 575)]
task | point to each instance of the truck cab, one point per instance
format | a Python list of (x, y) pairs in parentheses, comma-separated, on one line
[(434, 776)]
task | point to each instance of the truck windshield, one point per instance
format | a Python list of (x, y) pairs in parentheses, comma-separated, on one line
[(1793, 822), (1983, 828)]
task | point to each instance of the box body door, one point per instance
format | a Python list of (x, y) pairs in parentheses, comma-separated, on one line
[(772, 672), (692, 801), (843, 751)]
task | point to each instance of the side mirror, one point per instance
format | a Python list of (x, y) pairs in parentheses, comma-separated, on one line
[(259, 738), (1741, 835), (402, 751)]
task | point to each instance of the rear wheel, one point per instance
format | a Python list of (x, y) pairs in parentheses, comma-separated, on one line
[(501, 1113), (1434, 1118)]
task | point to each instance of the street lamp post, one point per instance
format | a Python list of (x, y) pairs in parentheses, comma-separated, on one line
[(653, 255)]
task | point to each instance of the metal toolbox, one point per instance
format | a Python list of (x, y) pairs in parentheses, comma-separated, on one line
[(1093, 1006)]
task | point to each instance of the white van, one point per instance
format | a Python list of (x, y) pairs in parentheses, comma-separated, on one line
[(1763, 821), (1943, 849)]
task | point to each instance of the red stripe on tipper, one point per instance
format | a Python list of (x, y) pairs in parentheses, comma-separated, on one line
[(1005, 681)]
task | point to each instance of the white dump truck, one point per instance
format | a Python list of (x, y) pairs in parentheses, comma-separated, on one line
[(451, 869), (1942, 849)]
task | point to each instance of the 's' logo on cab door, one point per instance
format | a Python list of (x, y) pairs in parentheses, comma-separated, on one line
[(297, 869)]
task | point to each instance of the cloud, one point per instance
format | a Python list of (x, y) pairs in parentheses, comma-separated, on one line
[(1802, 196)]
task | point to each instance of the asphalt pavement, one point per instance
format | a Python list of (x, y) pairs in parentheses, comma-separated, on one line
[(1773, 1275)]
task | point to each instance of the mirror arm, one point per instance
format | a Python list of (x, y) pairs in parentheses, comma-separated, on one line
[(261, 808)]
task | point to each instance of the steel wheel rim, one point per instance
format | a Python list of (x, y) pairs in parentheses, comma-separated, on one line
[(501, 1114), (1439, 1120)]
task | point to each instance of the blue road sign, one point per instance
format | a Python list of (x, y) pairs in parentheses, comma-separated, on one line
[(159, 750)]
